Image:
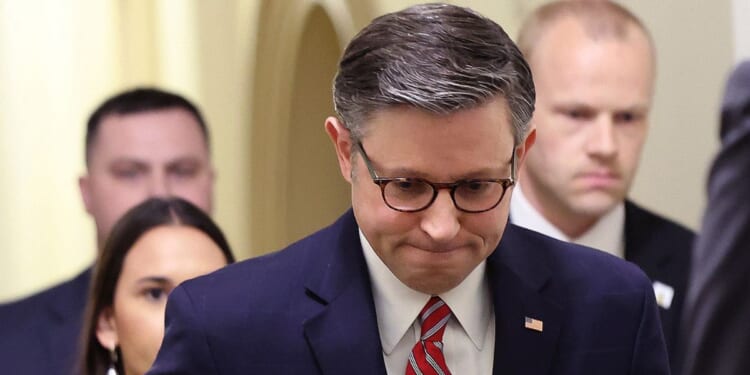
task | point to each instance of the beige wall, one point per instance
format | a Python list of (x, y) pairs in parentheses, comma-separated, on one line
[(261, 71), (693, 42), (60, 60), (741, 27), (52, 71)]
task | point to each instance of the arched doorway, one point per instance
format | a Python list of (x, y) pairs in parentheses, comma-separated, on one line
[(295, 186), (316, 192)]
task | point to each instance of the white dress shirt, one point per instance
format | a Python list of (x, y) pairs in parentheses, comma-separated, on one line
[(607, 234), (469, 339)]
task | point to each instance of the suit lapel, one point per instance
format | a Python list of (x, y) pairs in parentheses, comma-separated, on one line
[(343, 335), (517, 275), (643, 245)]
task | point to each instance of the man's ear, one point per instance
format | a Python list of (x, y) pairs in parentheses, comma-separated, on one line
[(342, 143), (523, 149), (106, 329), (84, 186)]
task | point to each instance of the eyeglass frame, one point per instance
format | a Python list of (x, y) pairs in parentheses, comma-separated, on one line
[(506, 183)]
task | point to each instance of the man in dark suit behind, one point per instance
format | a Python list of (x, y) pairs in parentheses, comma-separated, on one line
[(594, 67), (717, 308), (422, 275), (140, 143)]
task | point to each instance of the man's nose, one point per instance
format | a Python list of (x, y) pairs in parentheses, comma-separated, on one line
[(159, 186), (440, 220), (602, 141)]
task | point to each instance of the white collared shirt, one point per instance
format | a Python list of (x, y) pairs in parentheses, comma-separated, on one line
[(607, 234), (469, 339)]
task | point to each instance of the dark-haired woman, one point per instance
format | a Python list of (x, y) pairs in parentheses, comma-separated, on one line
[(152, 249)]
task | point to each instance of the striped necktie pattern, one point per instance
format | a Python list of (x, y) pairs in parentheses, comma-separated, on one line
[(426, 358)]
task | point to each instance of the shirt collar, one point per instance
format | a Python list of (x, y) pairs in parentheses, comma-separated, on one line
[(607, 234), (397, 305)]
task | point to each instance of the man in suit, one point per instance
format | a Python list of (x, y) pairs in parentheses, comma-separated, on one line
[(422, 275), (716, 330), (139, 144), (593, 65)]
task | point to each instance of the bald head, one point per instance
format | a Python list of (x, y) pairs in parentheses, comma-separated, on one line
[(599, 19), (593, 69)]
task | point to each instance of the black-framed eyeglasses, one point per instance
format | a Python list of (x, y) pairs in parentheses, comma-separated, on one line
[(409, 194)]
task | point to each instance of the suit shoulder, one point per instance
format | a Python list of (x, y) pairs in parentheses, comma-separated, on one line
[(70, 292), (640, 219), (264, 277), (52, 317), (579, 267)]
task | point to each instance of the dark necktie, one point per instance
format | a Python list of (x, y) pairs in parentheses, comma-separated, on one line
[(426, 358)]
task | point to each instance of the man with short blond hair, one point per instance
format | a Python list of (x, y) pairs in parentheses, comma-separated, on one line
[(594, 68)]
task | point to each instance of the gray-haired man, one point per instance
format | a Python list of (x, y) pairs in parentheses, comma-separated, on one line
[(423, 275)]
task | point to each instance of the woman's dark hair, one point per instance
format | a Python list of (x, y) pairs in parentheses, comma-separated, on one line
[(152, 213)]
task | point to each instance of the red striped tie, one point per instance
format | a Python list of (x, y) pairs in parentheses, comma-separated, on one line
[(426, 358)]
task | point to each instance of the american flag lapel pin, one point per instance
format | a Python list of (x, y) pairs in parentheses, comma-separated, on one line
[(533, 324)]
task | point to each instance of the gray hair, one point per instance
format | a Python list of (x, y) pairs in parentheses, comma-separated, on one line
[(436, 57)]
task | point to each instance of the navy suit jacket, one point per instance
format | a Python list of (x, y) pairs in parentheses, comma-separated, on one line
[(661, 248), (40, 334), (717, 310), (309, 309)]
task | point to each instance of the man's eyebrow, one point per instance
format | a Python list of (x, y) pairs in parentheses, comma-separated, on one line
[(480, 173), (637, 108), (566, 105), (127, 161)]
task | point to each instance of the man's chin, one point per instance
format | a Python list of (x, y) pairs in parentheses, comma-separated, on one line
[(596, 204), (433, 284), (595, 211)]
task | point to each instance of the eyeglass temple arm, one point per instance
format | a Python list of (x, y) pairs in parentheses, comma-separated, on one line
[(367, 161), (513, 167)]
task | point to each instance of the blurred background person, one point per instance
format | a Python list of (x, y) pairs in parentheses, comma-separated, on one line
[(152, 249), (594, 68), (716, 330), (140, 143)]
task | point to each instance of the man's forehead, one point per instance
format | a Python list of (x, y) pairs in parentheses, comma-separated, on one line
[(151, 153), (157, 129), (494, 113), (616, 104), (151, 120), (166, 161), (472, 142)]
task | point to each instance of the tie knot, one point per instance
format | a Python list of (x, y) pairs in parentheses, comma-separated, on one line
[(433, 317)]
